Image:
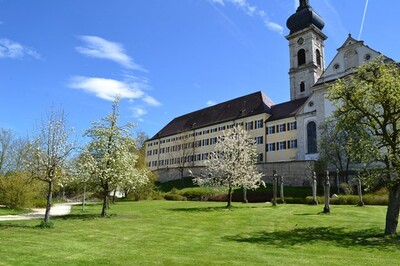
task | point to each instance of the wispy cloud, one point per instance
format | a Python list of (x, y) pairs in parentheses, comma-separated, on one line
[(138, 112), (151, 101), (252, 10), (210, 103), (15, 50), (100, 48), (107, 89)]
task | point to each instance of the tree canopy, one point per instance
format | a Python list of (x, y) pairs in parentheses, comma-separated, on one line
[(370, 98), (232, 163)]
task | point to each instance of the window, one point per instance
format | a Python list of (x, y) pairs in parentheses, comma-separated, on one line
[(206, 132), (271, 130), (229, 126), (249, 125), (214, 130), (292, 144), (213, 140), (155, 152), (148, 153), (281, 145), (292, 125), (259, 124), (311, 137), (204, 156), (198, 156), (260, 157), (198, 143), (281, 128), (259, 140), (205, 142), (271, 147), (302, 87), (301, 57), (221, 128), (162, 150), (318, 55)]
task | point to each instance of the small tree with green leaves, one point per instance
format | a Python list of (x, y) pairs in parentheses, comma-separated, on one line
[(370, 98)]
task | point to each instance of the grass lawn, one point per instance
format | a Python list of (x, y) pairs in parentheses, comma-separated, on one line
[(203, 233), (7, 211)]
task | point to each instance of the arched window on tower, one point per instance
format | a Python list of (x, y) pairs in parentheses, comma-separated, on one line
[(311, 137), (301, 57), (302, 86), (319, 60)]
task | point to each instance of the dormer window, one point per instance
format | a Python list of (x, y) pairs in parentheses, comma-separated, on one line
[(301, 57)]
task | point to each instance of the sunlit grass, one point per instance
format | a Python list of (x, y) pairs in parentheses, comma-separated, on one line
[(203, 233)]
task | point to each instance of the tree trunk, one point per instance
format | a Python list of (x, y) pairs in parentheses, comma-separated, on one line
[(245, 195), (327, 190), (274, 180), (114, 196), (105, 205), (48, 205), (282, 191), (359, 189), (229, 197), (392, 214)]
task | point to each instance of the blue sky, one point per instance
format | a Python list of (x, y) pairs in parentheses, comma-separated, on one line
[(164, 58)]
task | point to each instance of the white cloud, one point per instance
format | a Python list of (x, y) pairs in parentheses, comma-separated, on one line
[(100, 48), (151, 101), (138, 112), (14, 50), (252, 10), (210, 103), (274, 27), (107, 89)]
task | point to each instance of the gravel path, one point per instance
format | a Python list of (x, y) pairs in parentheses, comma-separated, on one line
[(61, 209)]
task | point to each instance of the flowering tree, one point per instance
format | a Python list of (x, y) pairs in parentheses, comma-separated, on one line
[(110, 159), (48, 154), (232, 163)]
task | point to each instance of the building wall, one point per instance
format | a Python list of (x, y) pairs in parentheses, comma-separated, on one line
[(191, 148), (281, 140), (295, 173)]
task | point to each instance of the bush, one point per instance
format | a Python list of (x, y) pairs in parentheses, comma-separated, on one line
[(18, 191), (368, 199), (176, 197), (198, 194), (346, 188)]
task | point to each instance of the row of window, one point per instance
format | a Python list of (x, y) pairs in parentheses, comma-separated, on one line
[(281, 145), (179, 160), (282, 128), (248, 126), (191, 145)]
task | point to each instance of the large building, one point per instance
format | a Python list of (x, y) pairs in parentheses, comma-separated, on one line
[(287, 133)]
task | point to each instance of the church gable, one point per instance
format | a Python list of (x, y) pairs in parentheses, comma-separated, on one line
[(351, 54)]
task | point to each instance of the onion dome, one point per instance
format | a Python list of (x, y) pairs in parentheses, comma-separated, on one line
[(304, 17)]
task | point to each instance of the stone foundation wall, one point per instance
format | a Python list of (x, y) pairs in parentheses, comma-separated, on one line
[(295, 173)]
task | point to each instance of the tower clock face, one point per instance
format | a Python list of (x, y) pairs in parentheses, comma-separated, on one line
[(300, 41)]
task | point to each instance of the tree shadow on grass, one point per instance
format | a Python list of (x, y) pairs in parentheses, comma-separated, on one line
[(6, 225), (78, 216), (369, 238), (202, 209)]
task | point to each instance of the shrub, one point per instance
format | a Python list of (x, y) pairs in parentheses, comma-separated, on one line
[(18, 191), (198, 193), (176, 197), (346, 188)]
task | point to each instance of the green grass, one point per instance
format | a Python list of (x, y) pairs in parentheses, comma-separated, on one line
[(8, 211), (204, 233)]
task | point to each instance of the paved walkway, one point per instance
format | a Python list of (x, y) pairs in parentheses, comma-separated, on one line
[(61, 209)]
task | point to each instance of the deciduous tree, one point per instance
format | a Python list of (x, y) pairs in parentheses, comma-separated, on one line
[(232, 163), (370, 98), (110, 158), (49, 152)]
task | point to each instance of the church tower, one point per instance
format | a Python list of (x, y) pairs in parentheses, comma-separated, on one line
[(306, 45)]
